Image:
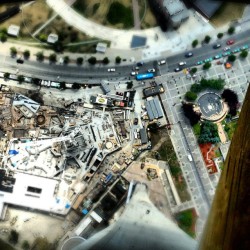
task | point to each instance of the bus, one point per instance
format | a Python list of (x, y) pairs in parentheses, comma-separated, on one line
[(144, 76)]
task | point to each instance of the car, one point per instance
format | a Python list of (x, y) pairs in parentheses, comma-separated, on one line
[(194, 75), (226, 48), (140, 64), (230, 42), (133, 73), (136, 121), (119, 93), (182, 63), (244, 47), (236, 50), (218, 56), (111, 70), (189, 54), (19, 60), (227, 53), (208, 59), (177, 69), (162, 62), (151, 70), (199, 63), (216, 46)]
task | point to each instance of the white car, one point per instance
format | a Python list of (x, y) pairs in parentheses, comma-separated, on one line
[(111, 70), (162, 62), (182, 63), (226, 48), (151, 70)]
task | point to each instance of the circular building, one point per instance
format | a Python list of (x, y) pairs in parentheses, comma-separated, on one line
[(72, 242), (212, 107)]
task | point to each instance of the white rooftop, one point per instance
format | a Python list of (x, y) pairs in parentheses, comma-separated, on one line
[(13, 30)]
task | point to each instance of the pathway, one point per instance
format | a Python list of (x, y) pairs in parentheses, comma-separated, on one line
[(136, 13)]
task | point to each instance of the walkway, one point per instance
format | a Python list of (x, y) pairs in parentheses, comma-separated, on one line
[(136, 12)]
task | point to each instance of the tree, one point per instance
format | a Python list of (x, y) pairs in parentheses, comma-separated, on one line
[(79, 61), (207, 65), (76, 85), (25, 245), (3, 37), (52, 58), (118, 59), (196, 88), (191, 96), (189, 112), (193, 70), (26, 54), (220, 35), (231, 58), (63, 85), (207, 39), (39, 56), (105, 60), (20, 78), (130, 85), (36, 81), (13, 237), (231, 98), (66, 60), (6, 75), (244, 53), (217, 84), (185, 218), (92, 60), (13, 51), (209, 133), (194, 43), (43, 37), (58, 47), (231, 30)]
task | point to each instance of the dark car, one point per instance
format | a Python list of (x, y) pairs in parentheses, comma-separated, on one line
[(189, 54), (136, 121), (216, 46), (177, 69), (140, 64), (20, 61)]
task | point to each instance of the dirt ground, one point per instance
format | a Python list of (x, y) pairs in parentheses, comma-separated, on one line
[(228, 12), (156, 190), (31, 225), (147, 17)]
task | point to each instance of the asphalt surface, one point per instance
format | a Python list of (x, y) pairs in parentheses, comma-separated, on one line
[(93, 74)]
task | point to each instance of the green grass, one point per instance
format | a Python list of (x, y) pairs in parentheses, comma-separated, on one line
[(197, 129), (230, 128), (118, 13), (186, 221), (5, 246)]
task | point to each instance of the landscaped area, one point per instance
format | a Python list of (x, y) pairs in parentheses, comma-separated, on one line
[(186, 221), (230, 128)]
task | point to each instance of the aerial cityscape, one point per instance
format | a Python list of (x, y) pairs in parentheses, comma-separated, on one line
[(116, 119)]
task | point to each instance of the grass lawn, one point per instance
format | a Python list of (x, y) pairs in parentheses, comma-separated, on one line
[(5, 246), (227, 12), (230, 128), (186, 221), (197, 129)]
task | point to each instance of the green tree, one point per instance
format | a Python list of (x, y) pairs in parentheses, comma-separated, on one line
[(220, 35), (20, 78), (189, 112), (79, 61), (92, 60), (191, 96), (52, 58), (194, 43), (39, 56), (207, 39), (196, 88), (193, 70), (118, 59), (36, 81), (231, 30), (76, 85), (130, 85), (66, 60), (13, 237), (231, 58), (244, 53), (26, 54), (185, 218), (207, 65), (43, 37), (63, 85), (13, 51), (6, 75), (25, 245), (105, 60), (209, 133), (3, 37)]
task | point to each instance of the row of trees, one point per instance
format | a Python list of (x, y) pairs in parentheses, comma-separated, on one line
[(231, 98), (207, 38), (209, 133)]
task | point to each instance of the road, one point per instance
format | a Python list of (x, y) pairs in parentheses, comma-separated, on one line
[(93, 74)]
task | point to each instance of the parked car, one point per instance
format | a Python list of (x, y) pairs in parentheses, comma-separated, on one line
[(140, 64), (111, 70), (236, 50), (133, 73), (19, 60), (226, 48), (151, 70), (208, 59), (182, 63), (244, 47), (227, 53), (199, 63), (218, 56), (216, 46), (230, 42), (162, 62), (189, 54), (177, 69)]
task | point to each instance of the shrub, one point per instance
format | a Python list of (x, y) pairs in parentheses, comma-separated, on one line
[(207, 39), (66, 60), (25, 245), (220, 35), (244, 54), (13, 51), (191, 96), (118, 59), (26, 54), (79, 60), (13, 237), (92, 60), (39, 56), (43, 38), (130, 85), (207, 65), (20, 78), (193, 70), (3, 37), (105, 60), (231, 58), (231, 30), (6, 75), (194, 43), (52, 58)]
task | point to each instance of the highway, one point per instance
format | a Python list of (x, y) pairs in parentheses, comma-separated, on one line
[(93, 74)]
